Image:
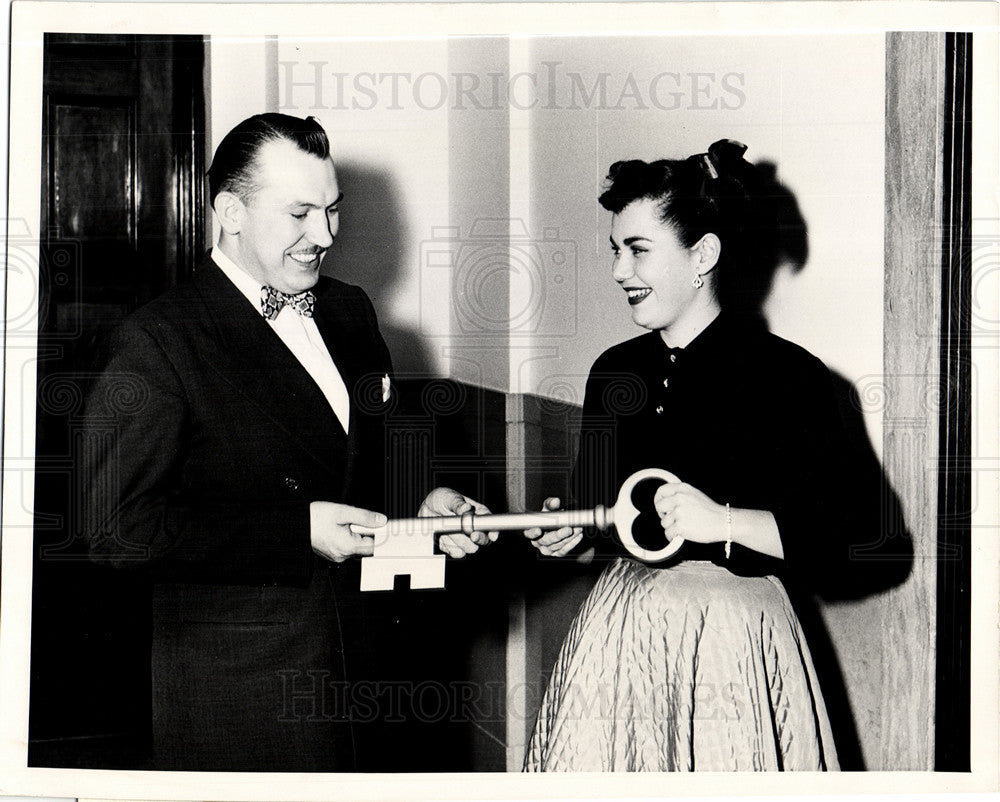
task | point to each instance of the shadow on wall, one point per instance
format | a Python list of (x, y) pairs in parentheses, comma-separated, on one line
[(876, 556), (437, 656), (878, 553), (370, 252), (784, 244)]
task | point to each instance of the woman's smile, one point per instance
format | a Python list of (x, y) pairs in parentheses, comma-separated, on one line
[(636, 294)]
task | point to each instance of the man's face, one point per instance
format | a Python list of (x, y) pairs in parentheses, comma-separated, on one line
[(292, 218)]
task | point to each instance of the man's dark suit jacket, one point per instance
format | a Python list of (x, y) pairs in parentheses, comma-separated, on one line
[(206, 442)]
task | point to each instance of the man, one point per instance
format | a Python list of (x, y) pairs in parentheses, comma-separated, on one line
[(235, 435)]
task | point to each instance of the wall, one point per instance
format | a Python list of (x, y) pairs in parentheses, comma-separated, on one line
[(389, 138), (425, 133), (390, 141), (471, 170), (606, 99)]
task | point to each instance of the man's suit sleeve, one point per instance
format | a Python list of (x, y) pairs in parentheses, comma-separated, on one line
[(137, 432)]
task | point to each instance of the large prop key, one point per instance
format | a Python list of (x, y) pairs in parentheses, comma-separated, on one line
[(405, 547)]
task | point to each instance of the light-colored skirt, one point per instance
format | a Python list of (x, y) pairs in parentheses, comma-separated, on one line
[(681, 669)]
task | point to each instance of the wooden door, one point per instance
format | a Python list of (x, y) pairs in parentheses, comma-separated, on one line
[(122, 219)]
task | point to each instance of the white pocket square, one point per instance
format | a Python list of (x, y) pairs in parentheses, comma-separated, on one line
[(386, 388)]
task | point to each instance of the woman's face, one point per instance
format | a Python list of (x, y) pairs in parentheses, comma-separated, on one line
[(653, 268)]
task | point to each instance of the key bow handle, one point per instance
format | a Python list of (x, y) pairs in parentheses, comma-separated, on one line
[(626, 512)]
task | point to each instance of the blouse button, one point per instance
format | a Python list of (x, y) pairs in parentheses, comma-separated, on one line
[(291, 483), (666, 382), (673, 357), (659, 410)]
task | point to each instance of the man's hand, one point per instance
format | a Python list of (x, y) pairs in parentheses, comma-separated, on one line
[(445, 501), (330, 530), (555, 542)]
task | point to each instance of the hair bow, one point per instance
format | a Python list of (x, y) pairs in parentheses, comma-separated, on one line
[(720, 155)]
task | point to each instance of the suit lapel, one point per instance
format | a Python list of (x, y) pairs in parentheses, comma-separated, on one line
[(334, 319), (257, 363)]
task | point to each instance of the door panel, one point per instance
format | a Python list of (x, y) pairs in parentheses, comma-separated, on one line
[(123, 164), (92, 198)]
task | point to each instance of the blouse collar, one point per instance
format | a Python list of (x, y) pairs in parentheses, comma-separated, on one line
[(702, 342), (713, 339)]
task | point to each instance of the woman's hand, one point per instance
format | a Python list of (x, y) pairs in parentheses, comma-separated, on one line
[(443, 501), (555, 542), (688, 513)]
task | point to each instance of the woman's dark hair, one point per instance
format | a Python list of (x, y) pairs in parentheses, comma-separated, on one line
[(717, 192), (233, 168)]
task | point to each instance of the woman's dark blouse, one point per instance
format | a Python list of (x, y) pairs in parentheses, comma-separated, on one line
[(742, 415)]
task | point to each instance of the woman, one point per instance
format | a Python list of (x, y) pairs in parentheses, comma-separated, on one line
[(699, 662)]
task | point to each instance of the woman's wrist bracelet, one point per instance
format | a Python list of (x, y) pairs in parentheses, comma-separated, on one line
[(729, 529)]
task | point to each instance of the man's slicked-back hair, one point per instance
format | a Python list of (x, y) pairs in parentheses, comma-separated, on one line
[(234, 166)]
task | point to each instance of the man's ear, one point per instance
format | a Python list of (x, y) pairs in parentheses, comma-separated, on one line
[(230, 211), (707, 251)]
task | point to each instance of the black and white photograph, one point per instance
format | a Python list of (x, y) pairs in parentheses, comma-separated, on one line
[(458, 401)]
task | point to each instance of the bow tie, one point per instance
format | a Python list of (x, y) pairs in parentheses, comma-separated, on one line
[(272, 301)]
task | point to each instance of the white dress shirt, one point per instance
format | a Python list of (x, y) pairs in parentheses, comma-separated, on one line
[(300, 335)]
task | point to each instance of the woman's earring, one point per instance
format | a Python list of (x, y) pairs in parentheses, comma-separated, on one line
[(698, 282)]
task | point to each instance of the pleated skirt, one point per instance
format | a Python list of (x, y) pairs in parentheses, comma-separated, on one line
[(686, 668)]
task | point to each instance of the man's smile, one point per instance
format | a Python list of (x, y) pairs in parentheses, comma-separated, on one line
[(307, 258)]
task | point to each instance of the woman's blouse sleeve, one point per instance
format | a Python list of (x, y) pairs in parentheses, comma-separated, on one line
[(594, 480)]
